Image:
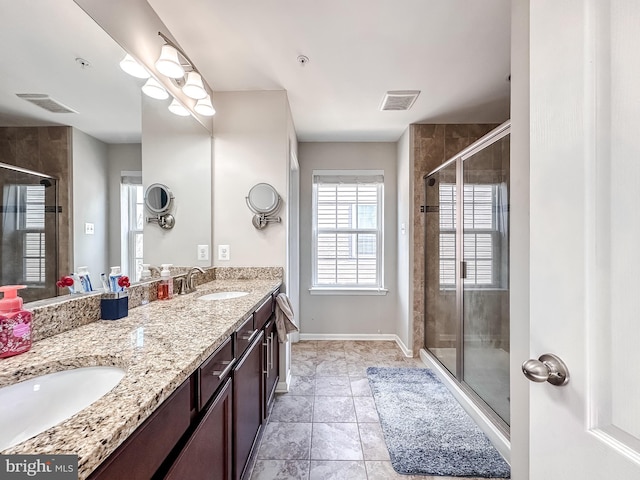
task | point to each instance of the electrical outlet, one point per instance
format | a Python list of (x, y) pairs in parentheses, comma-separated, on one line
[(89, 228), (203, 252), (223, 252)]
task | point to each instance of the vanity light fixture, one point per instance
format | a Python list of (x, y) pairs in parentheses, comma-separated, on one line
[(153, 89), (178, 109), (204, 107), (133, 68), (174, 64)]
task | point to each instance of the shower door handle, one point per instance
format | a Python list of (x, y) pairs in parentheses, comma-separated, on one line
[(548, 368), (463, 270)]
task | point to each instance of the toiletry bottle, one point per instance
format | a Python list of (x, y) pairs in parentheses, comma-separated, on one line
[(85, 279), (144, 276), (146, 273), (113, 279), (15, 323), (165, 287)]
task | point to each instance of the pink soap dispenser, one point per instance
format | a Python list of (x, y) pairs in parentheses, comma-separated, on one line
[(15, 323)]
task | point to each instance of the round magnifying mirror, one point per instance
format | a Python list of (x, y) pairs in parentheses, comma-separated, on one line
[(158, 198), (263, 198)]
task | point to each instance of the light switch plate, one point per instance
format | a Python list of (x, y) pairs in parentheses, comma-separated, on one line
[(203, 252), (89, 229), (223, 252)]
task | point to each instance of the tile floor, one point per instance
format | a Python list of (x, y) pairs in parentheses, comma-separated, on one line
[(326, 427)]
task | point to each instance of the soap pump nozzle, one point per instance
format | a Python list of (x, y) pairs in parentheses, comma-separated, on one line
[(11, 302)]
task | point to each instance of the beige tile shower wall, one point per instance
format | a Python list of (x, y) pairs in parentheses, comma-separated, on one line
[(432, 145), (45, 150)]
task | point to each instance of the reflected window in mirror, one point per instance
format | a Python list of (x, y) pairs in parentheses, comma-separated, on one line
[(29, 210), (132, 225), (31, 221)]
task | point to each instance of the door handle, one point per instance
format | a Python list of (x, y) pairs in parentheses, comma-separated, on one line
[(548, 368)]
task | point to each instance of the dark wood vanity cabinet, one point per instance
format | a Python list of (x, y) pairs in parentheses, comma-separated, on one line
[(208, 453), (247, 404), (208, 428), (143, 453)]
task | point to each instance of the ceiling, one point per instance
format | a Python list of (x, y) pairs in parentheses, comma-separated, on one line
[(41, 40), (456, 52)]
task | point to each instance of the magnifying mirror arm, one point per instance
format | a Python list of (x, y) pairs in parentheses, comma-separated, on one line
[(261, 220), (166, 221)]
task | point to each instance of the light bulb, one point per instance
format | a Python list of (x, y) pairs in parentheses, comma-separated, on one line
[(193, 87), (168, 64), (153, 89), (177, 109), (133, 68), (204, 107)]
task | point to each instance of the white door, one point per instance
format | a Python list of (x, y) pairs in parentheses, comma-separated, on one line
[(585, 237)]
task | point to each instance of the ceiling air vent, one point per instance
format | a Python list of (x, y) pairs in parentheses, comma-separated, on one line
[(46, 102), (399, 99)]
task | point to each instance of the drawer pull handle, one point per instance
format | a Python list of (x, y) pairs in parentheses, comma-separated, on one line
[(223, 373), (249, 338)]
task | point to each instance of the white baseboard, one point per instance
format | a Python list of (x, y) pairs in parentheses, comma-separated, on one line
[(407, 351), (283, 387), (359, 336), (502, 443)]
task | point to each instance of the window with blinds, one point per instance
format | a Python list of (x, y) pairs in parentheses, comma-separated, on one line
[(347, 229), (480, 232), (132, 211), (31, 209)]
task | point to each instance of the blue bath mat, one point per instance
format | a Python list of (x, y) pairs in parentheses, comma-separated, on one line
[(426, 430)]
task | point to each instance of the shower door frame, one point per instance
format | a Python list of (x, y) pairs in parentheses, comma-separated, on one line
[(489, 139)]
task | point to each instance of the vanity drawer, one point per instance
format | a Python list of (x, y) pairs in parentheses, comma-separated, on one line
[(263, 313), (213, 372), (245, 334)]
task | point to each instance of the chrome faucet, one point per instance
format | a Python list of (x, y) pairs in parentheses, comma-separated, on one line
[(186, 284)]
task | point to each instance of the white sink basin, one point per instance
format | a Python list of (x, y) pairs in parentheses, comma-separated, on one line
[(32, 406), (222, 296)]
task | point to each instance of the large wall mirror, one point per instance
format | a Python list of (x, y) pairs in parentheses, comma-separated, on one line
[(94, 149)]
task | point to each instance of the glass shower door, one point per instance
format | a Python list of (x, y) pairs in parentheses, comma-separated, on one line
[(486, 275), (28, 227), (442, 318)]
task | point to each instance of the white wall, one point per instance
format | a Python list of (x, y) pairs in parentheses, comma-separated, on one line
[(177, 152), (342, 314), (404, 321), (519, 238), (251, 145), (90, 204), (121, 157)]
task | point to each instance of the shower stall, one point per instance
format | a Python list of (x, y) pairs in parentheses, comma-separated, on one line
[(29, 231), (467, 272)]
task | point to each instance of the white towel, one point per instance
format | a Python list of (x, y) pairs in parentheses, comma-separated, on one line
[(284, 317)]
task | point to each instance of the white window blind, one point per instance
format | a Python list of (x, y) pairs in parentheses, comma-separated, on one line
[(480, 231), (347, 229), (31, 223)]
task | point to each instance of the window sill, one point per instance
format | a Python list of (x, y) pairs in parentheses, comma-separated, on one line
[(347, 291)]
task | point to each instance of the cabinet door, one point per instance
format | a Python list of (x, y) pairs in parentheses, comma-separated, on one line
[(247, 404), (207, 454), (271, 358)]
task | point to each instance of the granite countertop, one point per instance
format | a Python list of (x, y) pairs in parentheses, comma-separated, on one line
[(158, 345)]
